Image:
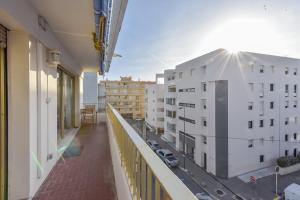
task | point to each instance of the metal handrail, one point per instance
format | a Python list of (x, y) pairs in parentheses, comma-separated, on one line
[(148, 176)]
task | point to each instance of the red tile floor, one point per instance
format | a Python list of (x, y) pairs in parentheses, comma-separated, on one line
[(88, 176)]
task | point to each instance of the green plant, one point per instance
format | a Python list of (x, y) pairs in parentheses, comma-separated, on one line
[(283, 161)]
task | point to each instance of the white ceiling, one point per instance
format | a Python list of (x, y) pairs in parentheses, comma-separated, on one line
[(72, 21)]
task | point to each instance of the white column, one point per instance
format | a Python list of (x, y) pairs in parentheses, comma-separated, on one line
[(18, 115)]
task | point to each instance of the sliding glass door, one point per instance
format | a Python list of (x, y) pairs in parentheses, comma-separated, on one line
[(65, 102)]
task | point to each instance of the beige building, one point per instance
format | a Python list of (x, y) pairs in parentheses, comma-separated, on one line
[(127, 96)]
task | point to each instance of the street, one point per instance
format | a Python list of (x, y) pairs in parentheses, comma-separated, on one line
[(195, 178), (198, 180)]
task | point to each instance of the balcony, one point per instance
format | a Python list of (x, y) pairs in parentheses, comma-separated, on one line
[(114, 162)]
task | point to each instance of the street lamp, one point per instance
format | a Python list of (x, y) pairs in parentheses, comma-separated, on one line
[(276, 181), (184, 149)]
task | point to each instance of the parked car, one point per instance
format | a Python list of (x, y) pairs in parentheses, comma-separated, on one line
[(153, 145), (203, 196), (168, 157)]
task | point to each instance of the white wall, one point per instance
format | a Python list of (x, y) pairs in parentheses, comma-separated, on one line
[(169, 80), (90, 88), (20, 15), (43, 115), (32, 121), (238, 70), (18, 116), (153, 94)]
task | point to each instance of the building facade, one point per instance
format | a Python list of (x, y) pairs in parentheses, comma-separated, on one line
[(170, 105), (154, 106), (90, 89), (101, 96), (127, 96), (236, 112)]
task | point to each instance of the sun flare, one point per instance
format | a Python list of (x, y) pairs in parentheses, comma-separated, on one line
[(243, 35)]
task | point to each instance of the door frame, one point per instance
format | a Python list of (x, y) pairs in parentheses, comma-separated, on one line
[(3, 125)]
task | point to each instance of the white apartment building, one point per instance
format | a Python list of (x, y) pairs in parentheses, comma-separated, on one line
[(90, 89), (170, 105), (240, 111), (154, 105), (101, 96)]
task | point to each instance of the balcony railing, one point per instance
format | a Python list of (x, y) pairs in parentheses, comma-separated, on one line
[(148, 177)]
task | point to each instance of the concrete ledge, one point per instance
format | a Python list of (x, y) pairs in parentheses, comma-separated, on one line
[(123, 190), (288, 170)]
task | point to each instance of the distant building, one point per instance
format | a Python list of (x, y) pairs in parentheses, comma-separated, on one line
[(170, 105), (101, 96), (127, 96), (90, 89), (154, 105), (236, 112)]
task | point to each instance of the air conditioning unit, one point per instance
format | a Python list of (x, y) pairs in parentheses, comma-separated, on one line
[(53, 57)]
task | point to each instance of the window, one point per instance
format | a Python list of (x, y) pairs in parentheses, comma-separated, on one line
[(187, 90), (286, 103), (286, 90), (171, 89), (272, 87), (250, 143), (65, 83), (204, 122), (187, 120), (295, 90), (261, 123), (295, 71), (286, 70), (261, 89), (160, 119), (271, 122), (204, 139), (286, 122), (295, 136), (180, 75), (204, 87), (261, 158), (161, 100), (262, 68), (251, 86), (286, 152), (203, 69), (192, 71), (295, 152), (250, 124), (171, 127), (171, 114), (295, 104), (286, 137), (160, 109), (189, 105), (203, 101), (250, 105), (271, 104), (170, 101)]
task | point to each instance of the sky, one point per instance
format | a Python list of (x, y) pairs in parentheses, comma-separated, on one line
[(160, 34)]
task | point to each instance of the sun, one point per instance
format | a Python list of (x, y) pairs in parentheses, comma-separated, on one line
[(242, 34)]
